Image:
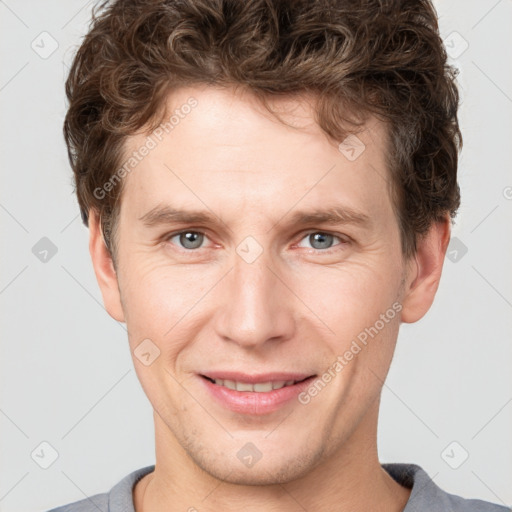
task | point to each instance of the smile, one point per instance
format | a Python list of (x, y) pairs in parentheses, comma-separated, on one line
[(255, 398), (260, 387)]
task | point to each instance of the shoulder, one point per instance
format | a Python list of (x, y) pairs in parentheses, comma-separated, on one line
[(427, 496), (96, 503), (118, 499)]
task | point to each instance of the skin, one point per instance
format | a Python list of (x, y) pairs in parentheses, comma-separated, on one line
[(295, 308)]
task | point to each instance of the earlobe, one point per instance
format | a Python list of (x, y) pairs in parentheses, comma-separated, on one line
[(425, 271), (104, 269)]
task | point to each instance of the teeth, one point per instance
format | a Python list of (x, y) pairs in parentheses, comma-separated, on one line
[(260, 387), (231, 384), (241, 386)]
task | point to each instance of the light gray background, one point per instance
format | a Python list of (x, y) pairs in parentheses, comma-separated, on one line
[(67, 375)]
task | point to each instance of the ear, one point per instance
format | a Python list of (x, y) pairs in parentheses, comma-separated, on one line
[(424, 271), (104, 269)]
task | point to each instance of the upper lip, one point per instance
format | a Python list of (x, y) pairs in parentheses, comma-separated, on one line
[(255, 379)]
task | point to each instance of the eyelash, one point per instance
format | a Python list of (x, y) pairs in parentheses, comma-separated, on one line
[(343, 240)]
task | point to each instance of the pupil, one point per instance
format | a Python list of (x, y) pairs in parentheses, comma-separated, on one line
[(191, 240), (322, 240)]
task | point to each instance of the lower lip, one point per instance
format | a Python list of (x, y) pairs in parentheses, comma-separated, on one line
[(251, 402)]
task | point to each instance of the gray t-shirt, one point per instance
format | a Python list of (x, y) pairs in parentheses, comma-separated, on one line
[(425, 496)]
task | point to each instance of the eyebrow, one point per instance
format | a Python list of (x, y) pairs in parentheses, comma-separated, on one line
[(336, 215), (167, 215)]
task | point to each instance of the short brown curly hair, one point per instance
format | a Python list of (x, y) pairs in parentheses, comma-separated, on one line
[(372, 57)]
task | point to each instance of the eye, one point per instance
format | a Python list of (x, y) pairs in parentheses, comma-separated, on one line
[(321, 240), (188, 239), (192, 240)]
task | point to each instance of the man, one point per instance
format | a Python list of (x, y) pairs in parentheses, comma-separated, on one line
[(268, 187)]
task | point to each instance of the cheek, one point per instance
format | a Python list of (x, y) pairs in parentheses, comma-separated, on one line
[(351, 297), (149, 292), (160, 299)]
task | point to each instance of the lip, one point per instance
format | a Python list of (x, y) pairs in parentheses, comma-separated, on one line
[(251, 402)]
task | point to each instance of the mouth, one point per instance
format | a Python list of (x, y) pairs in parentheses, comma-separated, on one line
[(258, 387), (255, 395)]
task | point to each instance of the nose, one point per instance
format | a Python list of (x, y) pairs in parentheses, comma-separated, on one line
[(257, 306)]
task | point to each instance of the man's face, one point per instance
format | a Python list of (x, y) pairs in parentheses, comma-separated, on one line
[(256, 289)]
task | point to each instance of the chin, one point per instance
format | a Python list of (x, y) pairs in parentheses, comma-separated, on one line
[(280, 469)]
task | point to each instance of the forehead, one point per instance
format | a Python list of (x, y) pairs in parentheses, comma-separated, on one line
[(221, 144)]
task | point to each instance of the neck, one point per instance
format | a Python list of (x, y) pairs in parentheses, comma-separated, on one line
[(349, 479)]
